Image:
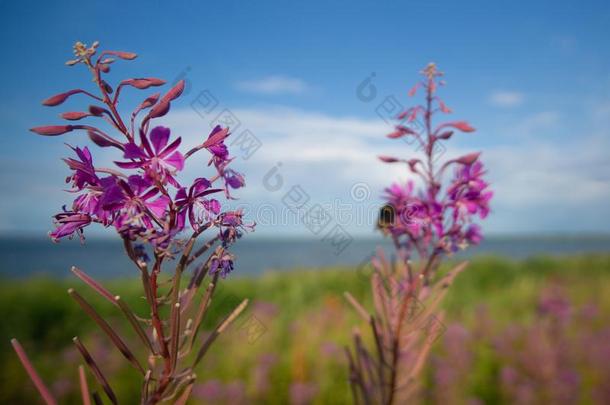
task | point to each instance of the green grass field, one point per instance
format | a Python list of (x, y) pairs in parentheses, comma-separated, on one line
[(288, 345)]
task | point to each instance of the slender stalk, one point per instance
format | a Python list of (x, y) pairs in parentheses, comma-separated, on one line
[(203, 306), (182, 400), (175, 336), (97, 373), (84, 387), (181, 265), (135, 324), (359, 308), (96, 398), (93, 284), (29, 368), (146, 387), (114, 337), (106, 99), (156, 319), (382, 361), (221, 328), (202, 249)]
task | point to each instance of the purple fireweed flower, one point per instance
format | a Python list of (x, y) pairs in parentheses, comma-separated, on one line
[(473, 234), (430, 221), (150, 217), (438, 216), (134, 199), (221, 159), (409, 212), (85, 180), (426, 219), (554, 303), (162, 239), (159, 160), (233, 179), (398, 194), (68, 223), (468, 192), (413, 215), (140, 252), (90, 200), (223, 264), (216, 146), (195, 206), (302, 393), (231, 225), (410, 216), (84, 172), (133, 202), (90, 203)]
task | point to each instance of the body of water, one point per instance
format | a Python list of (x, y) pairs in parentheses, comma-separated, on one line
[(23, 257)]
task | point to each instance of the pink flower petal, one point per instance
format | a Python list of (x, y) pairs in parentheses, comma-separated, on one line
[(176, 160), (159, 137), (133, 151), (128, 165), (158, 206), (172, 147)]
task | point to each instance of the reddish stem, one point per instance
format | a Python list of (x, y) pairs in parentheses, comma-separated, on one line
[(106, 99), (29, 368)]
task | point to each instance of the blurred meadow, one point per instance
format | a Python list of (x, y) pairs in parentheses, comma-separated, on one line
[(529, 331)]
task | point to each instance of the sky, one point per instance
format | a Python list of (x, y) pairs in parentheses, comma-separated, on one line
[(312, 82)]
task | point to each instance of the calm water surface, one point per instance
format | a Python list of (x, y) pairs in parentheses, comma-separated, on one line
[(22, 257)]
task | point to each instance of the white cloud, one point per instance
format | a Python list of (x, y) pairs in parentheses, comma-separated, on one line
[(320, 150), (274, 85), (506, 99), (538, 181), (536, 124), (327, 155), (540, 173)]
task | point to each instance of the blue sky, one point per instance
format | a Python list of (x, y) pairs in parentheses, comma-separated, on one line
[(533, 77)]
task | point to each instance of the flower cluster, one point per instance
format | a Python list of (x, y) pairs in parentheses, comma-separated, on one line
[(437, 218), (426, 221), (547, 358), (142, 197)]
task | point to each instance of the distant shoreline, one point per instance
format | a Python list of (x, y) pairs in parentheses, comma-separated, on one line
[(101, 257)]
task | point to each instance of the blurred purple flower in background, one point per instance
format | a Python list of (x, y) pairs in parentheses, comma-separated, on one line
[(426, 224)]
